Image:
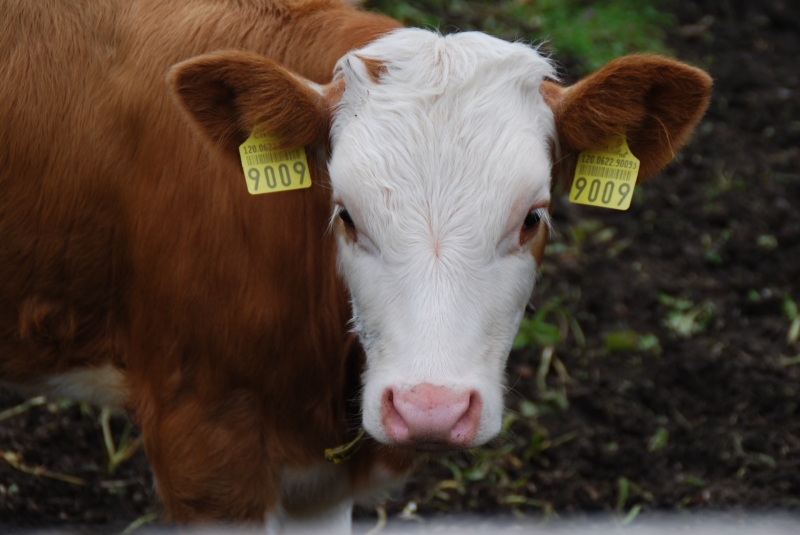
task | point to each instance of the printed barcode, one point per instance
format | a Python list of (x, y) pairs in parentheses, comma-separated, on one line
[(272, 157), (604, 172)]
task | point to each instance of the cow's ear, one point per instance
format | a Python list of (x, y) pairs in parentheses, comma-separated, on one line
[(228, 94), (654, 100)]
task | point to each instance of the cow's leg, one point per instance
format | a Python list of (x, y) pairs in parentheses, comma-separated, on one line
[(210, 459), (314, 499), (335, 520)]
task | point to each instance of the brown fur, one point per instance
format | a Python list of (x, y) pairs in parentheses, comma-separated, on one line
[(127, 235), (216, 88), (375, 68), (538, 243), (125, 240), (656, 101)]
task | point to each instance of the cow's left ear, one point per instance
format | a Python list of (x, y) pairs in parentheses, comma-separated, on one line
[(228, 94), (654, 100)]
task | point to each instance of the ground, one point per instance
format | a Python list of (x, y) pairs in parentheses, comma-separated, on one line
[(679, 391)]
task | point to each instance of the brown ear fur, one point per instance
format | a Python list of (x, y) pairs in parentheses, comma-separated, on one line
[(227, 94), (655, 100)]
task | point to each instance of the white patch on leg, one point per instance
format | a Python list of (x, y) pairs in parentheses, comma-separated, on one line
[(104, 385), (319, 499), (313, 500), (336, 520)]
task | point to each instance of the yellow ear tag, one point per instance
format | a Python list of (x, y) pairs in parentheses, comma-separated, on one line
[(269, 170), (606, 177)]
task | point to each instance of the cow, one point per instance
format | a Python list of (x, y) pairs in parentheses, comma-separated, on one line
[(245, 335)]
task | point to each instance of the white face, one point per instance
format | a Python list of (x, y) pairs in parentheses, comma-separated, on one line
[(437, 165)]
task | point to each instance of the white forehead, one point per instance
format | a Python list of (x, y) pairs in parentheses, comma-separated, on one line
[(455, 129)]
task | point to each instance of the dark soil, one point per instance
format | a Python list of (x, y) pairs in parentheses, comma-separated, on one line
[(719, 228), (69, 440), (708, 421)]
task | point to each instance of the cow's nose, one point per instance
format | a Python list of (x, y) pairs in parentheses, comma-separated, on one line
[(427, 416)]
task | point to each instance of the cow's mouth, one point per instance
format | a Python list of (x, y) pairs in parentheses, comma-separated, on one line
[(428, 447)]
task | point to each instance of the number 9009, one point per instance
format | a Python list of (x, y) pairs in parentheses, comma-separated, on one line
[(283, 175), (600, 192)]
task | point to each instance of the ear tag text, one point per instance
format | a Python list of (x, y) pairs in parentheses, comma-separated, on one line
[(268, 169), (606, 177)]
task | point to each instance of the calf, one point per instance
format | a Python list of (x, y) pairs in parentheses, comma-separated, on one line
[(245, 335)]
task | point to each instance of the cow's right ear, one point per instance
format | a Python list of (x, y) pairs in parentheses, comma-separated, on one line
[(226, 95)]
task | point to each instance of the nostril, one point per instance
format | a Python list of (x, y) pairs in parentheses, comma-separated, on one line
[(466, 427), (393, 423)]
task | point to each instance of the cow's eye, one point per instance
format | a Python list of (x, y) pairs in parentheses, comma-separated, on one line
[(532, 219), (345, 216)]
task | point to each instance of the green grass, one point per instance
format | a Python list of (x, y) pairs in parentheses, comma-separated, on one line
[(606, 30), (586, 34)]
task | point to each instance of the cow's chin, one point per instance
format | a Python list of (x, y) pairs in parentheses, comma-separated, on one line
[(432, 447)]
